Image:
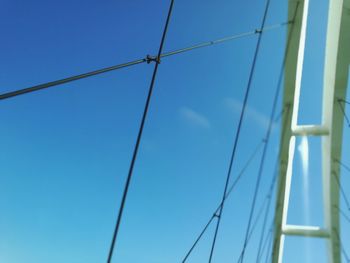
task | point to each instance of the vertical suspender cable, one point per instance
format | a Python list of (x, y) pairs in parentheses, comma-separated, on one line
[(252, 70), (139, 136)]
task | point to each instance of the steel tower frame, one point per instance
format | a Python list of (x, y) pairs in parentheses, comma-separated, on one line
[(335, 79)]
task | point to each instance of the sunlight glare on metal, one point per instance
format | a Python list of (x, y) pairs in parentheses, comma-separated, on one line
[(303, 149)]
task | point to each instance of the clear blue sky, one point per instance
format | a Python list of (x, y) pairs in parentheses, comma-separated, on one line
[(65, 151)]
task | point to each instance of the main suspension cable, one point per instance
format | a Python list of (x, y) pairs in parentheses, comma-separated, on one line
[(237, 135), (139, 136), (147, 59)]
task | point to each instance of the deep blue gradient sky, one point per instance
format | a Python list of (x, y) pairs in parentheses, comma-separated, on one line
[(65, 151)]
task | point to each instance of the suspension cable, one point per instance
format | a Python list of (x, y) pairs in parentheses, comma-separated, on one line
[(259, 253), (272, 185), (343, 111), (267, 242), (345, 101), (261, 168), (147, 59), (267, 201), (346, 217), (345, 254), (268, 254), (343, 165), (342, 192), (232, 187), (277, 92), (260, 211), (237, 135), (268, 197), (139, 136), (255, 224)]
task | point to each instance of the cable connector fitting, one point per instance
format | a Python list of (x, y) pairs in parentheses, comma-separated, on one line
[(216, 215), (258, 31), (150, 59)]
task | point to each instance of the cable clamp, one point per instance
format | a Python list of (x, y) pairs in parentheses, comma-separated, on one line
[(216, 215), (150, 59), (258, 31)]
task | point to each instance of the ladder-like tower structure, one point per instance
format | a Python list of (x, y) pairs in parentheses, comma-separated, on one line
[(336, 72)]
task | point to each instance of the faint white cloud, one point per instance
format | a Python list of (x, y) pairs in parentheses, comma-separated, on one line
[(259, 118), (194, 117)]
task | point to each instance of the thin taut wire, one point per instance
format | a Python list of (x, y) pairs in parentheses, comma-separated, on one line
[(278, 90), (343, 111), (237, 135), (147, 59), (231, 188), (268, 197), (139, 136)]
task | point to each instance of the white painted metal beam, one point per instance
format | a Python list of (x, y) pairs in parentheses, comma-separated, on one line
[(294, 33), (306, 231), (337, 58), (307, 130)]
